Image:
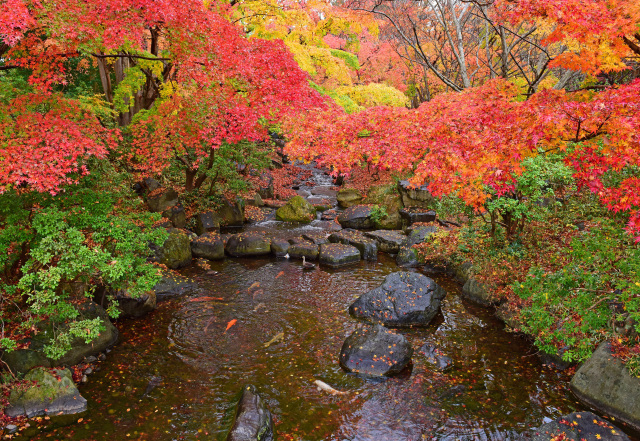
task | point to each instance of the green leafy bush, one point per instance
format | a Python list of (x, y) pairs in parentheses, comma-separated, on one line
[(578, 306), (54, 249)]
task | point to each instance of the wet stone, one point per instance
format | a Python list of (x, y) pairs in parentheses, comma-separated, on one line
[(51, 394), (253, 243), (368, 247), (253, 420), (375, 351), (279, 247), (207, 222), (208, 246), (307, 249), (389, 241), (317, 238), (578, 426), (357, 217), (404, 299), (336, 254), (413, 215)]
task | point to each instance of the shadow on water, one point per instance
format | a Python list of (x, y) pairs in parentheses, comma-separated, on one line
[(496, 385)]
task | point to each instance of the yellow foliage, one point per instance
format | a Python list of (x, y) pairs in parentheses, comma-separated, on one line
[(374, 94)]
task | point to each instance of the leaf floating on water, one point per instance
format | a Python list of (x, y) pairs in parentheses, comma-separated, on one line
[(230, 324), (281, 273), (254, 285)]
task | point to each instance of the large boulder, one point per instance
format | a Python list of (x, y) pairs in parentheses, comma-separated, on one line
[(337, 254), (208, 246), (415, 197), (404, 299), (375, 351), (231, 213), (368, 247), (348, 197), (53, 393), (161, 199), (604, 383), (389, 241), (252, 243), (22, 360), (357, 217), (577, 426), (253, 421), (297, 209), (208, 222), (176, 251)]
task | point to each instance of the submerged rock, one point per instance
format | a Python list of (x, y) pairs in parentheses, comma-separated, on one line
[(54, 393), (435, 357), (375, 351), (578, 426), (404, 299), (253, 421), (297, 209), (368, 247), (337, 254), (604, 383), (252, 243), (209, 246)]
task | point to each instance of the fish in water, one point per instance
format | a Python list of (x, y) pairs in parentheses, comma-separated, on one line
[(258, 306), (278, 337), (325, 387), (153, 383)]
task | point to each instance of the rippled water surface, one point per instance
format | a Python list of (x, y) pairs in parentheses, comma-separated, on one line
[(497, 385)]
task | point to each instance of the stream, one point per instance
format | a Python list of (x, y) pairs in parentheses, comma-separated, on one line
[(496, 387)]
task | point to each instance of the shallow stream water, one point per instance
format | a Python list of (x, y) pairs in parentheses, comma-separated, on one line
[(496, 387)]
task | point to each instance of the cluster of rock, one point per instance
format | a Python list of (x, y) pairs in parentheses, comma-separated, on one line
[(405, 299)]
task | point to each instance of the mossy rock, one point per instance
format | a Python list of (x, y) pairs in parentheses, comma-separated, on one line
[(298, 209), (53, 393), (231, 213), (176, 251), (348, 197), (253, 243)]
